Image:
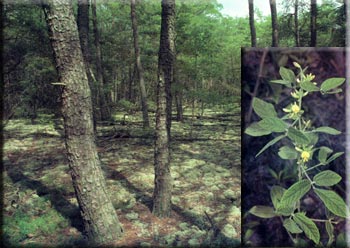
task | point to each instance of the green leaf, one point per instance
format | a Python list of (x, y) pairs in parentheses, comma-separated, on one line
[(287, 83), (273, 124), (327, 178), (308, 226), (334, 157), (308, 86), (287, 152), (287, 74), (294, 193), (272, 142), (291, 226), (331, 83), (330, 230), (256, 130), (273, 173), (333, 202), (323, 154), (333, 91), (313, 138), (328, 130), (297, 136), (263, 109), (263, 211), (276, 194)]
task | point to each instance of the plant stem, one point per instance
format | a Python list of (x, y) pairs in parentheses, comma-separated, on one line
[(313, 167), (289, 234)]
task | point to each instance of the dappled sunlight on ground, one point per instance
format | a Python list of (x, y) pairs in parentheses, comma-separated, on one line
[(205, 169)]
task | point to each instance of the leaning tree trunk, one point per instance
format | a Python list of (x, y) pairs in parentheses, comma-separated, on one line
[(104, 105), (163, 180), (313, 16), (101, 223), (83, 28), (144, 106), (274, 23), (296, 24), (251, 23)]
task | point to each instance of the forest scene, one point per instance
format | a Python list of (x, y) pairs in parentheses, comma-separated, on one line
[(121, 119)]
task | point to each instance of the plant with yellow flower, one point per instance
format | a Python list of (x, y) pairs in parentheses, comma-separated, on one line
[(300, 146)]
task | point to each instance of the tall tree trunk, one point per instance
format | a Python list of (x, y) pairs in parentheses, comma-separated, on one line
[(83, 28), (143, 94), (296, 24), (163, 180), (251, 23), (104, 106), (274, 23), (313, 17), (99, 217)]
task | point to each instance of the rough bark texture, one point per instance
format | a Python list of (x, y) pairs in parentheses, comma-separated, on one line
[(139, 65), (296, 24), (83, 28), (101, 223), (274, 23), (104, 107), (163, 181), (251, 23), (313, 16)]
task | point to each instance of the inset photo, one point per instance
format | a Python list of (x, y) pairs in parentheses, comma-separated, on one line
[(293, 144)]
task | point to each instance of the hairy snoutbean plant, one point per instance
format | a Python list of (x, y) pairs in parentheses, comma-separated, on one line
[(308, 158)]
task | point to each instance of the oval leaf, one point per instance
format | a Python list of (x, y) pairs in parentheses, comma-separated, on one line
[(263, 109), (276, 194), (327, 178), (308, 226), (331, 83), (262, 211), (297, 136), (323, 154), (287, 74), (308, 86), (294, 193), (334, 203), (287, 152), (256, 130), (280, 82), (291, 226), (275, 140), (273, 124), (328, 130)]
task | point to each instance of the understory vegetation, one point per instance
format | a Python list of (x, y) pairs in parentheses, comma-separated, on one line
[(41, 207)]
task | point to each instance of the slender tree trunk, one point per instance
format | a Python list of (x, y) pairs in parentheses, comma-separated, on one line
[(313, 16), (251, 23), (83, 28), (104, 107), (143, 94), (163, 180), (274, 23), (99, 217), (296, 24)]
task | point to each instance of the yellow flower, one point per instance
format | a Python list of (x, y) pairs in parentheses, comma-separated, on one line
[(295, 108), (305, 156)]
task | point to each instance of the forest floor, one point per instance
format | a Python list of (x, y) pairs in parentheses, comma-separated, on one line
[(40, 207)]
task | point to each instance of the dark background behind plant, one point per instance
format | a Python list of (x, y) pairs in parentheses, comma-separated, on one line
[(322, 110)]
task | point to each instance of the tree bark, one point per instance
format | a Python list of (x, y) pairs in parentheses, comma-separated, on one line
[(83, 29), (101, 224), (313, 16), (104, 106), (139, 67), (296, 24), (163, 181), (251, 23), (274, 23)]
